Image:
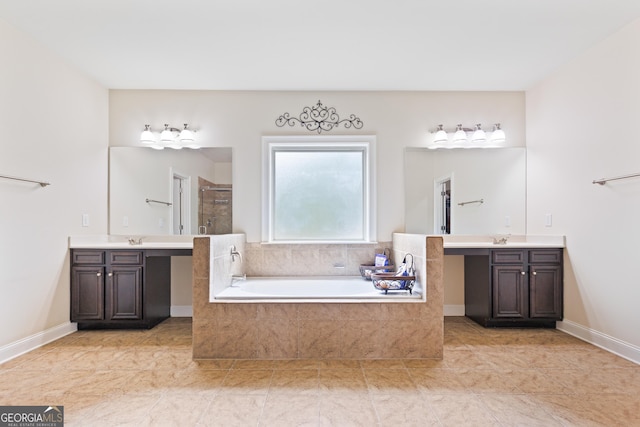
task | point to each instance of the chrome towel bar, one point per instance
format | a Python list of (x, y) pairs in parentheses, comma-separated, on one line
[(603, 181), (42, 183), (158, 201), (481, 201)]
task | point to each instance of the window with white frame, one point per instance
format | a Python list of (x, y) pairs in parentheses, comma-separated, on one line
[(318, 189)]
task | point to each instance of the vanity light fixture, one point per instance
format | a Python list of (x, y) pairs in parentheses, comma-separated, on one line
[(463, 137), (170, 137), (479, 136)]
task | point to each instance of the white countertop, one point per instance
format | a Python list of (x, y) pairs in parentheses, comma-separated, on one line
[(513, 241), (122, 242), (186, 242)]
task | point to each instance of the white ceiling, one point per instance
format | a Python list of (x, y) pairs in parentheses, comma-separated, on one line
[(319, 45)]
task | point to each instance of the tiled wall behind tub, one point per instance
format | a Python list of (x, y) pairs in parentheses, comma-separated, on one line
[(309, 259)]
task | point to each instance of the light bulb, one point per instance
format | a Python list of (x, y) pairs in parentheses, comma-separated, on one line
[(147, 136), (460, 135), (187, 136), (166, 137), (479, 135), (498, 135), (441, 135)]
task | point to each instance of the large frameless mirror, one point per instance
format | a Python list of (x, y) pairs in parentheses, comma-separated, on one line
[(465, 191), (160, 192)]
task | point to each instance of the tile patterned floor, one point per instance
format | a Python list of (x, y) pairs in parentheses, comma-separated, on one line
[(488, 377)]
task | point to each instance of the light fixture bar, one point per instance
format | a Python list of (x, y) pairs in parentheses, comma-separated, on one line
[(465, 137), (170, 137)]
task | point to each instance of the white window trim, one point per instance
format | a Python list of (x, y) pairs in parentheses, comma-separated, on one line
[(271, 143)]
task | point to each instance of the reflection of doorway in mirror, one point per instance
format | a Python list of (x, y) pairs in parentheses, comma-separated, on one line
[(215, 207), (181, 202), (442, 204)]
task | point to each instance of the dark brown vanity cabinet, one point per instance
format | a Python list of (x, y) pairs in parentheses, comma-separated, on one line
[(119, 288), (514, 287)]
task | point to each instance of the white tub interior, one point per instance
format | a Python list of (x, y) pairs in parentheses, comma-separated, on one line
[(295, 289)]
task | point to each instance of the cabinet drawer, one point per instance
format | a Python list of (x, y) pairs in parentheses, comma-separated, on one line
[(125, 257), (547, 256), (507, 256), (88, 257)]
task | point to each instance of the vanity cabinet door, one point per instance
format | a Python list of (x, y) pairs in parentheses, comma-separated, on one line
[(545, 290), (87, 293), (509, 292), (124, 293)]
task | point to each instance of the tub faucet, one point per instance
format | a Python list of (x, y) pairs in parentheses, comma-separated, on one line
[(237, 278), (235, 253)]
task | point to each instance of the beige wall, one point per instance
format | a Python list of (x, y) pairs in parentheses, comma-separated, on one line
[(581, 125), (240, 119), (54, 123)]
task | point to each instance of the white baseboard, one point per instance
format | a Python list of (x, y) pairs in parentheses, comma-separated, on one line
[(454, 310), (181, 311), (25, 345), (604, 341)]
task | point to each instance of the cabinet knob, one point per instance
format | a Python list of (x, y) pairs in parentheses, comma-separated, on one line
[(110, 274), (534, 273), (98, 274), (523, 273)]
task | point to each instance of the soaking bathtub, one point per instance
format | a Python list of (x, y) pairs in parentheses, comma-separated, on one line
[(312, 289)]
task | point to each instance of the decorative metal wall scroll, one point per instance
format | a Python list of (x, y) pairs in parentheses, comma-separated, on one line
[(319, 118)]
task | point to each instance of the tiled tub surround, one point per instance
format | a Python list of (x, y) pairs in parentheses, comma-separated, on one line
[(317, 330)]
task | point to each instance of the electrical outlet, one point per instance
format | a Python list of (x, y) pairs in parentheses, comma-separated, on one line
[(161, 222), (125, 221), (85, 219), (548, 220), (507, 221)]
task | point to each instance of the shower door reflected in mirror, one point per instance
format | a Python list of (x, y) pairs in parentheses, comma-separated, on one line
[(442, 202), (214, 207)]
